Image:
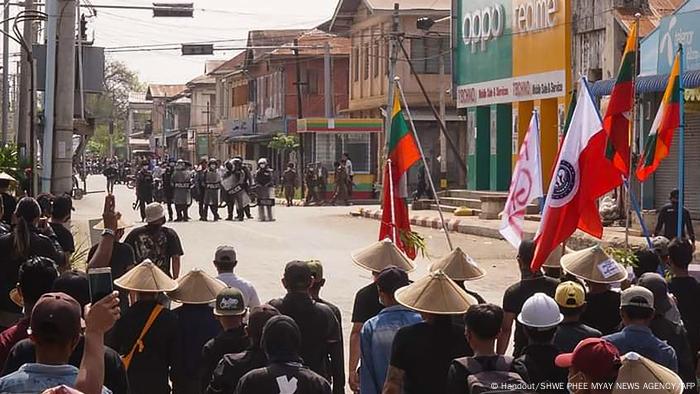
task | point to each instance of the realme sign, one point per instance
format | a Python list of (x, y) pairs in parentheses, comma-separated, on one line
[(480, 26), (533, 15)]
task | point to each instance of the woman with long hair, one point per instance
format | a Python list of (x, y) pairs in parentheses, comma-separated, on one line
[(23, 242)]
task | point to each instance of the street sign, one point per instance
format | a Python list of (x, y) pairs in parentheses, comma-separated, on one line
[(174, 10), (197, 49)]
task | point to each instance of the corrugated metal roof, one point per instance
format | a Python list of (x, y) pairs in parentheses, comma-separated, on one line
[(230, 65), (269, 38), (315, 37), (203, 79), (647, 84), (410, 4), (345, 10), (158, 90), (211, 65), (650, 18)]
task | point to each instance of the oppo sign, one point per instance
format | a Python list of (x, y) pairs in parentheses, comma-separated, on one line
[(480, 26)]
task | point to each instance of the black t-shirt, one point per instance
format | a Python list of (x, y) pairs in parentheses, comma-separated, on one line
[(151, 369), (122, 260), (516, 295), (603, 312), (159, 244), (9, 203), (687, 293), (231, 369), (39, 245), (231, 341), (366, 304), (318, 326), (115, 374), (537, 362), (64, 237), (144, 184), (424, 352), (285, 378), (569, 334), (667, 222)]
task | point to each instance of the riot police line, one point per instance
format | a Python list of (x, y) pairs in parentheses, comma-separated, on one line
[(212, 184)]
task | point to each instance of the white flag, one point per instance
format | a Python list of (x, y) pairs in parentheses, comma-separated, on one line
[(525, 186)]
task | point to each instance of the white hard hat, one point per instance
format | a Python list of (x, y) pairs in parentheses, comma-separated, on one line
[(540, 311), (262, 160)]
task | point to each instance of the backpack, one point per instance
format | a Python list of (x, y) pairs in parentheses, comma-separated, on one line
[(496, 377)]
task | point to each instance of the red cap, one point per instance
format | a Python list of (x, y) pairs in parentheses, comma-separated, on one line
[(56, 316), (595, 357)]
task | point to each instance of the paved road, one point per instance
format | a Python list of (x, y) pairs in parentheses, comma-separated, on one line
[(328, 234)]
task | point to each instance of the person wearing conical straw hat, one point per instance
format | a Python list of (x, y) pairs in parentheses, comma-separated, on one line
[(515, 296), (196, 291), (421, 353), (637, 311), (600, 272), (650, 377), (378, 332), (230, 309), (373, 258), (460, 267), (148, 334), (8, 201)]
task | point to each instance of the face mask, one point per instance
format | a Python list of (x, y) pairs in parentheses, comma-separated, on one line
[(263, 165), (145, 167)]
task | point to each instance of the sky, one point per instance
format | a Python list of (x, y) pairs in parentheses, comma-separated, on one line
[(213, 20)]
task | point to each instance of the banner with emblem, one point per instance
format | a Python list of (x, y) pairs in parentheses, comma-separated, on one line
[(583, 174), (525, 185)]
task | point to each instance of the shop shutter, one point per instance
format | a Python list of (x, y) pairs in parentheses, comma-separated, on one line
[(666, 178)]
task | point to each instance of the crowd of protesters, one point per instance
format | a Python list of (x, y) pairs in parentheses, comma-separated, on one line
[(586, 324)]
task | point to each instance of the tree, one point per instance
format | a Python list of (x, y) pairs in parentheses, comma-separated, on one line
[(113, 106), (283, 144)]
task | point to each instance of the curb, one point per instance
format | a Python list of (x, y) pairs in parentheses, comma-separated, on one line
[(283, 202), (577, 241)]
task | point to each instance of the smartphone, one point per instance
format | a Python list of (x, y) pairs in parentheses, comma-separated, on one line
[(100, 280)]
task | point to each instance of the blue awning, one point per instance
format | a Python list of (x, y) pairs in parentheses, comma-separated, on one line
[(647, 84)]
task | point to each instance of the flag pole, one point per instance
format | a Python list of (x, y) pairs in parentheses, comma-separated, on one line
[(425, 162), (633, 142), (681, 146), (391, 196), (633, 201)]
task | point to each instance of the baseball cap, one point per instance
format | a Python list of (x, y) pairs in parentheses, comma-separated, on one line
[(297, 274), (658, 287), (570, 295), (637, 296), (225, 254), (56, 317), (229, 302), (595, 357), (660, 245), (391, 279), (316, 269)]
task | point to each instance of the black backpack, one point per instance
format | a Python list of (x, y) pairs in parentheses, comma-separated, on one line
[(497, 377)]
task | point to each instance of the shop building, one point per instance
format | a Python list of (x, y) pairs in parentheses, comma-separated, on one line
[(511, 57)]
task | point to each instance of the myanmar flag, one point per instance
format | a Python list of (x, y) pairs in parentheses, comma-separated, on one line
[(403, 153), (667, 120), (617, 122)]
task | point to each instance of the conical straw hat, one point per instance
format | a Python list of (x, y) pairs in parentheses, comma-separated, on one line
[(16, 297), (197, 287), (146, 277), (7, 177), (435, 293), (650, 377), (457, 265), (380, 255), (554, 259), (594, 265)]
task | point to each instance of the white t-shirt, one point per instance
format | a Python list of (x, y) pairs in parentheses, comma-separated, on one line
[(348, 167), (250, 295)]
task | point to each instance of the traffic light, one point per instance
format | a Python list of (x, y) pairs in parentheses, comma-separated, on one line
[(197, 49), (182, 10), (83, 28)]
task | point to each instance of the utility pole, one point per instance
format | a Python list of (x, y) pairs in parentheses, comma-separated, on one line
[(25, 99), (300, 113), (62, 177), (393, 54), (443, 140), (5, 70), (207, 112)]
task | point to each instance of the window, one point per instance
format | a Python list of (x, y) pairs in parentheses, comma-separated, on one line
[(356, 64), (375, 59), (330, 146), (426, 52), (311, 83)]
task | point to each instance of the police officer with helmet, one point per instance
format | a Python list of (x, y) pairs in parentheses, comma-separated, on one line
[(212, 183), (266, 191), (182, 196)]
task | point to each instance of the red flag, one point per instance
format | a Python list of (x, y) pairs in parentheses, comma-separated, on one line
[(400, 220), (583, 175)]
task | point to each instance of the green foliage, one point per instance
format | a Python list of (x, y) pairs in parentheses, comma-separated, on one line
[(414, 240), (11, 163), (284, 142), (623, 256)]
